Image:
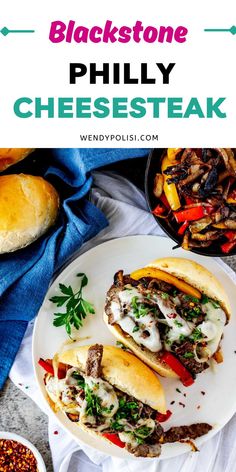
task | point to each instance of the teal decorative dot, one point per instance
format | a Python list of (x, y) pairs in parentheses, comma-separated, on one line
[(233, 30), (5, 31)]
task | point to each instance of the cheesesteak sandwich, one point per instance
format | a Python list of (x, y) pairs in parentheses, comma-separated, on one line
[(171, 314), (112, 394)]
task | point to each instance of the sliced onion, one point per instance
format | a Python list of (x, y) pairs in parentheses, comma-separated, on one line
[(202, 359)]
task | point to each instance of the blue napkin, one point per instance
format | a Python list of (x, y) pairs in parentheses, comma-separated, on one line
[(26, 274)]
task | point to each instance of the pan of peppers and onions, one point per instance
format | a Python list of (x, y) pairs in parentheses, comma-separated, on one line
[(192, 194)]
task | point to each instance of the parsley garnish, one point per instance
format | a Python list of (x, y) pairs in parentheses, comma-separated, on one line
[(215, 304), (121, 345), (142, 432), (136, 328), (182, 337), (80, 379), (127, 409), (177, 323), (191, 299), (76, 307), (94, 407), (139, 308), (204, 299), (188, 355), (164, 295), (196, 335)]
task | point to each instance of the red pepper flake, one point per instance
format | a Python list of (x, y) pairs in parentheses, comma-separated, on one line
[(16, 457), (182, 404), (172, 403), (55, 432), (21, 385), (203, 393), (172, 315)]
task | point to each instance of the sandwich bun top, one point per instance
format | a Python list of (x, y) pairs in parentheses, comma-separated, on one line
[(28, 207), (195, 275), (10, 156), (124, 371)]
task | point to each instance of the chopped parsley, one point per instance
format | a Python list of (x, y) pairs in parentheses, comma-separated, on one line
[(196, 335), (136, 328), (121, 345), (139, 308), (175, 293), (128, 410), (182, 337), (214, 303), (164, 295), (178, 323), (204, 299), (191, 299), (188, 355), (94, 406), (142, 432), (80, 379)]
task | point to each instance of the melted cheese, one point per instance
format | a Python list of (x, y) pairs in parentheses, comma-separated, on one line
[(213, 326)]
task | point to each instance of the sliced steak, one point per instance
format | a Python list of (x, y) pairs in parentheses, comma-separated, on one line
[(94, 359), (145, 450), (190, 363), (178, 433)]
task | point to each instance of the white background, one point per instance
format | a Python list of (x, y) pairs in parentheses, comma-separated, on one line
[(32, 66)]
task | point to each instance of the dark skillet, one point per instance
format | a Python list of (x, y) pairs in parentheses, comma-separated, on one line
[(152, 167)]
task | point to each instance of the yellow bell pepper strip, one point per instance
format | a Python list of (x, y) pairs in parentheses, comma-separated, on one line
[(171, 279), (172, 153), (170, 190), (219, 225)]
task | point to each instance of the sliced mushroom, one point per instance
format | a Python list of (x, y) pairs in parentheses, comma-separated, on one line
[(209, 236), (199, 225)]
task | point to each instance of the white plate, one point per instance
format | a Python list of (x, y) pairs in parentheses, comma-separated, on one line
[(100, 264), (25, 442)]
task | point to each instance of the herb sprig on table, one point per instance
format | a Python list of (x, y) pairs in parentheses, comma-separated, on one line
[(77, 308)]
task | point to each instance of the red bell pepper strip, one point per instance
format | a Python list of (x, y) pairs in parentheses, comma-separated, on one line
[(46, 365), (159, 210), (227, 247), (190, 214), (189, 200), (174, 363), (230, 235), (114, 438), (161, 417), (182, 228), (164, 201)]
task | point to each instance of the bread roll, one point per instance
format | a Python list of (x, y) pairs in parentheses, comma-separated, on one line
[(28, 207), (124, 371), (10, 156)]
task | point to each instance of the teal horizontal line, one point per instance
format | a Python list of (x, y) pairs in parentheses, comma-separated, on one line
[(216, 29), (21, 31)]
